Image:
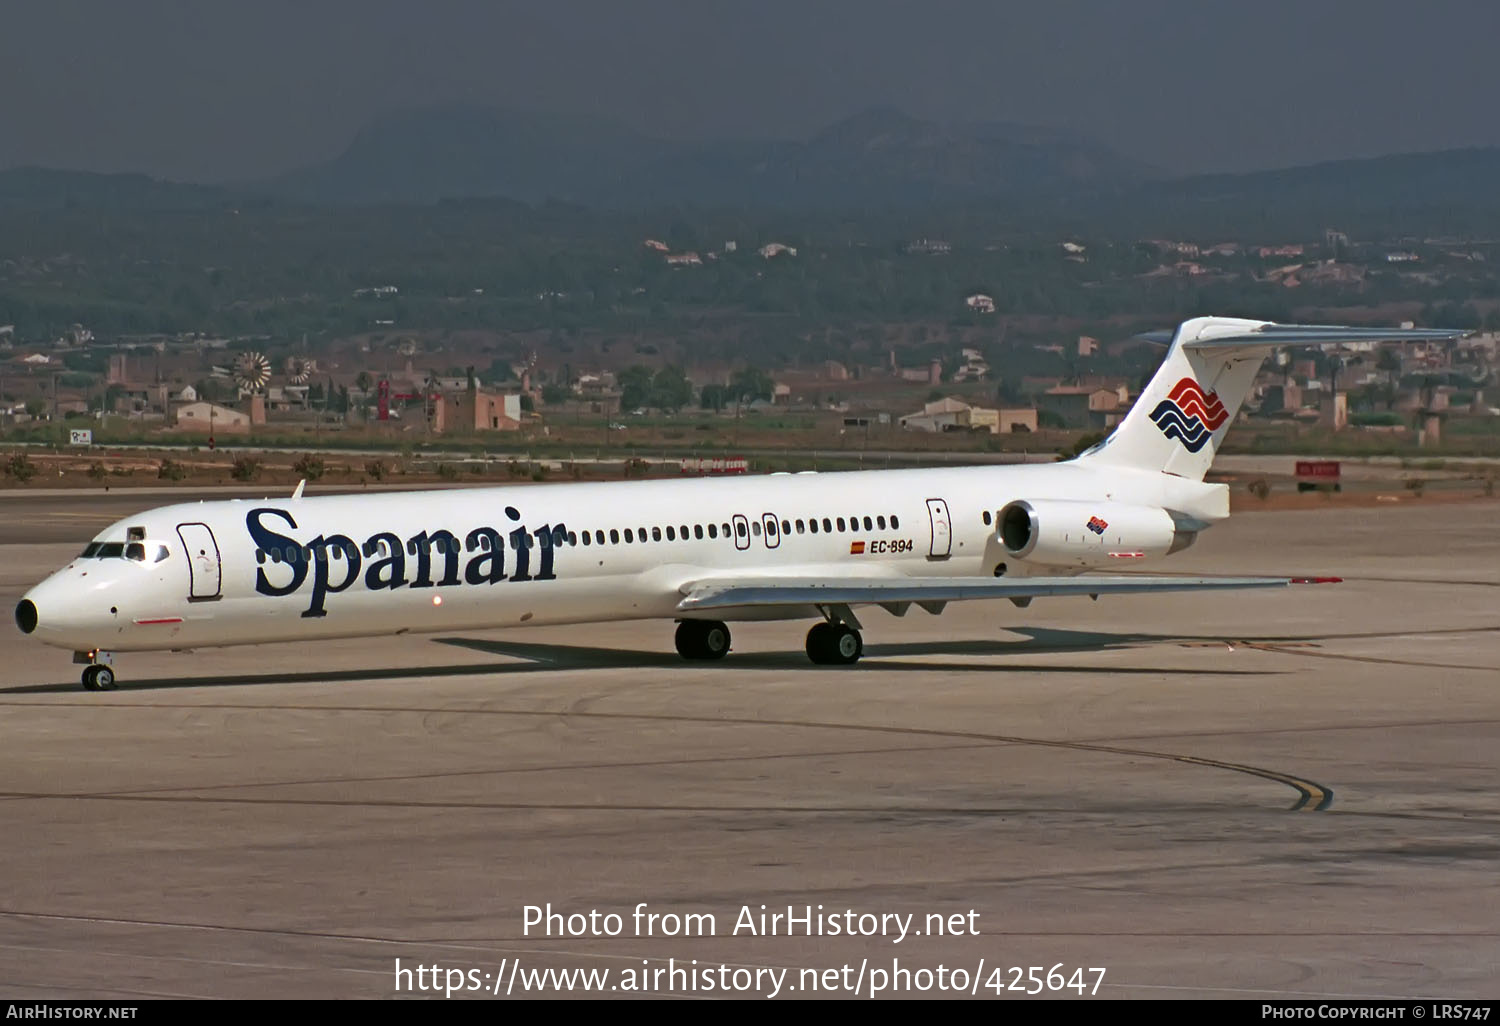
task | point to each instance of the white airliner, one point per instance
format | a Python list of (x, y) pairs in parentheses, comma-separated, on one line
[(703, 552)]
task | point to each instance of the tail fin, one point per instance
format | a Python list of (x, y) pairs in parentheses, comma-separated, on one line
[(1180, 420)]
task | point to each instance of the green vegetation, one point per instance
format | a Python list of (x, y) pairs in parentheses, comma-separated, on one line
[(20, 467), (245, 468), (309, 466)]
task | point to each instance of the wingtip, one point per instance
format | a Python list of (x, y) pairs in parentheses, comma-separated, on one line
[(1317, 580)]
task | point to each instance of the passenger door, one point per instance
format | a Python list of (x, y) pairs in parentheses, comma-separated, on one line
[(942, 529), (204, 569)]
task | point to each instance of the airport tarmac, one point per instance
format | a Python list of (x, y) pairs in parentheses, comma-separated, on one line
[(1286, 794)]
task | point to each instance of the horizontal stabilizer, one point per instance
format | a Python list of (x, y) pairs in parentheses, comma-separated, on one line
[(792, 591), (1272, 335)]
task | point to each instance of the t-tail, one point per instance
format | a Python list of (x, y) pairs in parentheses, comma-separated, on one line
[(1180, 420)]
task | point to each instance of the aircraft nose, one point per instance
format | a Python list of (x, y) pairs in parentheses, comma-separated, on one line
[(26, 617)]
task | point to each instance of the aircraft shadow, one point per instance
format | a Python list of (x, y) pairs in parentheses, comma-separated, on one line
[(532, 657)]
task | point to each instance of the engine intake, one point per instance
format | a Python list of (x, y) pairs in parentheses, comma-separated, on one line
[(1067, 532)]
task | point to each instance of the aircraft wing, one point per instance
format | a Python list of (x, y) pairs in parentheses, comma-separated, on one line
[(721, 593)]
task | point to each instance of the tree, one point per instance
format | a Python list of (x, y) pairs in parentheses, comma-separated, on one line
[(713, 397), (635, 387), (554, 395), (36, 407), (750, 384), (671, 390), (363, 381)]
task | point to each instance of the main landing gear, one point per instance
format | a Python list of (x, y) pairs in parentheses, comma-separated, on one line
[(702, 639), (831, 642)]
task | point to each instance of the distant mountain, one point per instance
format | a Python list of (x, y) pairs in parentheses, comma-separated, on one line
[(470, 152), (40, 189), (880, 157), (1449, 191), (880, 160)]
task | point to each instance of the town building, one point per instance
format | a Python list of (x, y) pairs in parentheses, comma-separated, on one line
[(1080, 406), (953, 414), (211, 419)]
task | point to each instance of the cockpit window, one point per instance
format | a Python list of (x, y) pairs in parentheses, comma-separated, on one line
[(140, 552)]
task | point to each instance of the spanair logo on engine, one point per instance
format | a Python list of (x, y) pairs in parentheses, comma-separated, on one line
[(1189, 414)]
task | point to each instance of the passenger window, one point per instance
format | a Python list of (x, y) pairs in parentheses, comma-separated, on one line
[(671, 534), (573, 538), (740, 530), (698, 531), (786, 527), (880, 522), (598, 537), (725, 529), (986, 518), (812, 525), (629, 537), (894, 522), (827, 526), (801, 528), (614, 536), (841, 524), (655, 534), (869, 526), (586, 539), (755, 528), (641, 534)]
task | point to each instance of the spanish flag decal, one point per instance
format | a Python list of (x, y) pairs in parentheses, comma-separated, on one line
[(856, 548)]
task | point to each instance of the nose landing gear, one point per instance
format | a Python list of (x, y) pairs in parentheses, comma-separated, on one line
[(98, 675), (99, 678)]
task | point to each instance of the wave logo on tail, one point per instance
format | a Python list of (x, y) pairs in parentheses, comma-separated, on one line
[(1189, 414)]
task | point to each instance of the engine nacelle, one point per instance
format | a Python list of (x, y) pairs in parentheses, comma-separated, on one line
[(1066, 532)]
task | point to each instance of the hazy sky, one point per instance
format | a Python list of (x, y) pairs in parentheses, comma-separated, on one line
[(211, 90)]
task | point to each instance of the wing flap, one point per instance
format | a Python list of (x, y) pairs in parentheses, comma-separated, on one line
[(723, 593)]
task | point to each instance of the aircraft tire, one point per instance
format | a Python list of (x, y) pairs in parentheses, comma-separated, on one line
[(715, 640), (702, 639), (819, 643), (845, 645), (689, 638), (98, 678)]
